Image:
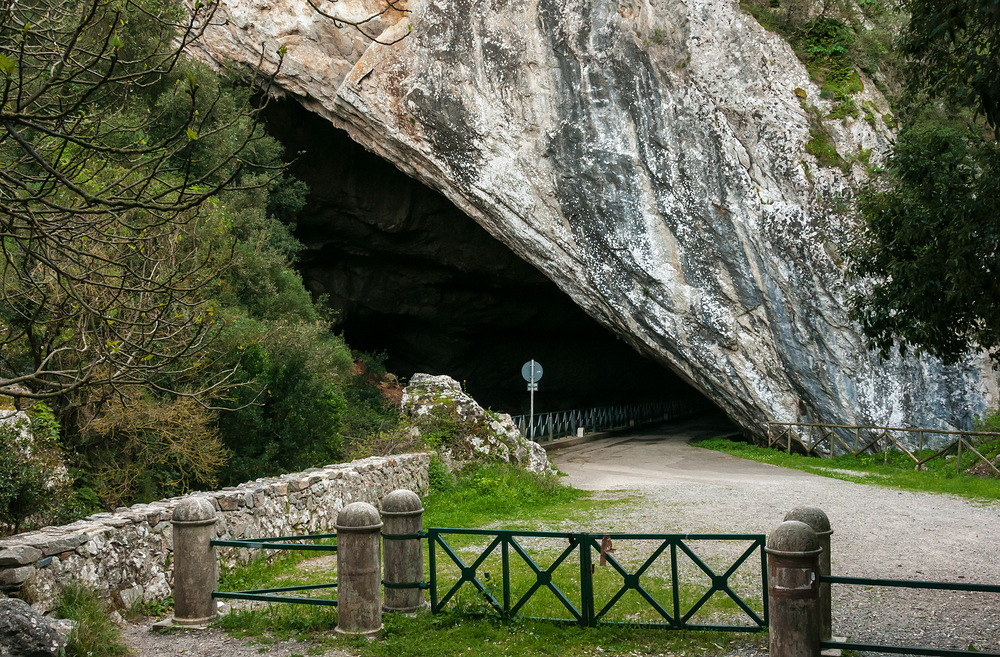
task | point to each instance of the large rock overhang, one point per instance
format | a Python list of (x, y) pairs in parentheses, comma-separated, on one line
[(649, 158)]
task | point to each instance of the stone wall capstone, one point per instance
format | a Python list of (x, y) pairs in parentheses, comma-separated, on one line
[(127, 555)]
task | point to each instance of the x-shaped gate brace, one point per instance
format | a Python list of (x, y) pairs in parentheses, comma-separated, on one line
[(586, 544)]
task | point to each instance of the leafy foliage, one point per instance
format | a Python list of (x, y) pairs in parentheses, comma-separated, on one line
[(33, 478), (955, 50), (114, 147), (292, 403), (931, 238), (149, 446)]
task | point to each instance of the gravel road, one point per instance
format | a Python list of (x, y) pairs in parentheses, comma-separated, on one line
[(676, 487), (878, 532)]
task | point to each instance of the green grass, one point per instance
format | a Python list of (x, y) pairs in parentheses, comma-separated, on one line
[(494, 492), (454, 634), (939, 475), (506, 497), (95, 633)]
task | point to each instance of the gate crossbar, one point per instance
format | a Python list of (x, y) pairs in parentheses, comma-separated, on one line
[(279, 543), (585, 545), (908, 584)]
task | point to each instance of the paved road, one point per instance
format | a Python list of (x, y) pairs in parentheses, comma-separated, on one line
[(661, 456), (878, 531)]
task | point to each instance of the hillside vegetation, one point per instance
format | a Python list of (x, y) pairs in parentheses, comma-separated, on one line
[(152, 323)]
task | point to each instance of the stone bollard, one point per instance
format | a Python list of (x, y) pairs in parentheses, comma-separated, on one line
[(817, 520), (359, 570), (793, 590), (195, 566), (404, 559)]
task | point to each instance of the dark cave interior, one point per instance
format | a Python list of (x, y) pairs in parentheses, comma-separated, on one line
[(412, 276)]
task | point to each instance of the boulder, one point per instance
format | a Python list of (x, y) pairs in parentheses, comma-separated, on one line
[(464, 431), (25, 633)]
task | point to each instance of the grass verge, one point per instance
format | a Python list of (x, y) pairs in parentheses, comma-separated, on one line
[(939, 475), (95, 633)]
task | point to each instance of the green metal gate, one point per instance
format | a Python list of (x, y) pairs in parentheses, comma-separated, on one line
[(505, 579)]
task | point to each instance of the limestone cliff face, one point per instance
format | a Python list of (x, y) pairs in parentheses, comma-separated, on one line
[(649, 157)]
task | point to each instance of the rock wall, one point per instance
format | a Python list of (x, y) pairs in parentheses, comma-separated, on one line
[(649, 157), (126, 555)]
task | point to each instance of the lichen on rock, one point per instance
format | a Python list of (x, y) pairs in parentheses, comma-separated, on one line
[(26, 633), (453, 423)]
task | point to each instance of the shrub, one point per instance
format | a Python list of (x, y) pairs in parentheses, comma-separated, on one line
[(152, 447), (33, 479)]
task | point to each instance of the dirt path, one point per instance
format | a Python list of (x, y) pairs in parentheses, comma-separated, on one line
[(208, 643), (878, 532)]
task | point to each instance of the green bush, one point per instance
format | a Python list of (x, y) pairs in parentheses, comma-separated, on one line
[(33, 479), (289, 412)]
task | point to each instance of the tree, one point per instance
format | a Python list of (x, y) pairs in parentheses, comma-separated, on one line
[(954, 46), (112, 152), (928, 252)]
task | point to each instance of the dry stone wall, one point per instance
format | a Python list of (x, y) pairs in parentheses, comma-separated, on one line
[(127, 554)]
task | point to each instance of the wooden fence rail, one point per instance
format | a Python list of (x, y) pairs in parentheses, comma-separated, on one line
[(824, 439)]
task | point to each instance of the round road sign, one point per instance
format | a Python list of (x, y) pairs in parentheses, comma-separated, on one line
[(531, 371)]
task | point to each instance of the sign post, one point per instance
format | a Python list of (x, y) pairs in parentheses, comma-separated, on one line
[(532, 372)]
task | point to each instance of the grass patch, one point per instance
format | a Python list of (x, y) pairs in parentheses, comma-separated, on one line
[(939, 476), (454, 634), (504, 496), (95, 632), (498, 492)]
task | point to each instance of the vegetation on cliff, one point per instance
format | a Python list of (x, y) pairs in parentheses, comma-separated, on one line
[(926, 254), (931, 234)]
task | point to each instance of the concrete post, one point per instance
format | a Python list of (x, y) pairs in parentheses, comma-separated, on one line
[(195, 566), (817, 520), (402, 514), (359, 570), (793, 590)]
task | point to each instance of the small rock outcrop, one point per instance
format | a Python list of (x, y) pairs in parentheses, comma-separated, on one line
[(26, 633), (462, 430)]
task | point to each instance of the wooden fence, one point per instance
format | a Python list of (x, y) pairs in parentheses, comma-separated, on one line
[(827, 439)]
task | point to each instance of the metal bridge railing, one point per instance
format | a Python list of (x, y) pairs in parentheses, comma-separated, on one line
[(550, 426)]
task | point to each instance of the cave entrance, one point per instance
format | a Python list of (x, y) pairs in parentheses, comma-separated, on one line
[(412, 276)]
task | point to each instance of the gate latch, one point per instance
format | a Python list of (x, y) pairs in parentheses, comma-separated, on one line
[(606, 548)]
